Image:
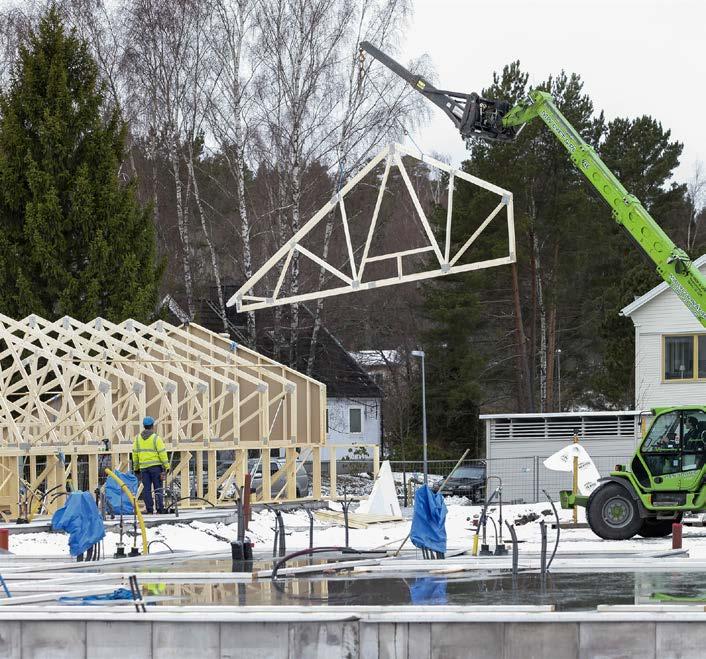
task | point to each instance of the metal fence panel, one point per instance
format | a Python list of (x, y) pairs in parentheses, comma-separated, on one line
[(523, 478)]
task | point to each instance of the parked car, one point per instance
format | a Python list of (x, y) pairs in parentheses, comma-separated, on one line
[(467, 481), (225, 461), (277, 484)]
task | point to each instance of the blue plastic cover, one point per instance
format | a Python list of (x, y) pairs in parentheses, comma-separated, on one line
[(81, 519), (116, 500), (118, 594), (429, 521), (428, 590)]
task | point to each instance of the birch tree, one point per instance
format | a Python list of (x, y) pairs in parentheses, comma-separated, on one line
[(696, 194), (231, 22), (164, 58), (374, 106)]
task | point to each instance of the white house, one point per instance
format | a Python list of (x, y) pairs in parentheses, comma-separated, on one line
[(353, 400), (351, 421), (670, 349)]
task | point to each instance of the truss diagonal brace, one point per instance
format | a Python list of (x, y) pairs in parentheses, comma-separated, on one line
[(247, 300)]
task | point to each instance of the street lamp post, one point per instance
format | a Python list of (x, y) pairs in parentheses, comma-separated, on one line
[(558, 374), (420, 354)]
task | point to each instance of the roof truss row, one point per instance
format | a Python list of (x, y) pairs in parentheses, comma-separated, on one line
[(352, 276), (68, 383)]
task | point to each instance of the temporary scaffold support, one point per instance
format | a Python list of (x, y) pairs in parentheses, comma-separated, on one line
[(73, 394), (352, 276)]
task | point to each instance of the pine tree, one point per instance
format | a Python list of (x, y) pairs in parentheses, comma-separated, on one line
[(73, 238)]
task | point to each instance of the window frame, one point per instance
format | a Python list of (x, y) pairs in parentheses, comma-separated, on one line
[(362, 419), (695, 347)]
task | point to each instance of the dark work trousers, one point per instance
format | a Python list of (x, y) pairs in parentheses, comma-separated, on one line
[(152, 477)]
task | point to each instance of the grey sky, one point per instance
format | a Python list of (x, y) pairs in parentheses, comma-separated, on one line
[(635, 57)]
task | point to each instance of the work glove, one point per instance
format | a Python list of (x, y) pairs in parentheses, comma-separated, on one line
[(163, 476), (136, 472)]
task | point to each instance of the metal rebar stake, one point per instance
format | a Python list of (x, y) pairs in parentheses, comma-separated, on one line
[(311, 528), (515, 549), (543, 554), (345, 506), (282, 539)]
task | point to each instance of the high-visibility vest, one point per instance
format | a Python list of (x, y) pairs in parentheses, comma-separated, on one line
[(149, 452)]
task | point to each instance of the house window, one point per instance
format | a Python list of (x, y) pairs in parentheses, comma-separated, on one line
[(701, 353), (355, 420), (679, 354)]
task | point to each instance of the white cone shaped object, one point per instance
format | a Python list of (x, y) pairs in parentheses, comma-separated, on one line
[(563, 460), (383, 499)]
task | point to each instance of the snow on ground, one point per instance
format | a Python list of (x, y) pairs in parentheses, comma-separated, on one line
[(201, 536)]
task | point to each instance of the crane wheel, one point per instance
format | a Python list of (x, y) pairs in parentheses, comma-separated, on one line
[(612, 513)]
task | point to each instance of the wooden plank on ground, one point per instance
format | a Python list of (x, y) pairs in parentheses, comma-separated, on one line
[(355, 520)]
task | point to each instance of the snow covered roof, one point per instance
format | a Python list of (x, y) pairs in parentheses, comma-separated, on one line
[(370, 358), (654, 292)]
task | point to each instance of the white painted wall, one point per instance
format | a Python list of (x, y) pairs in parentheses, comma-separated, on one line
[(664, 314), (338, 424)]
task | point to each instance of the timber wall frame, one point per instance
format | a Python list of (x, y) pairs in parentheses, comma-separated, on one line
[(73, 394)]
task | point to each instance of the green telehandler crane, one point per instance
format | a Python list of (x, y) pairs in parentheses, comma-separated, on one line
[(667, 475)]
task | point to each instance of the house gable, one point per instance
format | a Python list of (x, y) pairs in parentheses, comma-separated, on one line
[(657, 314)]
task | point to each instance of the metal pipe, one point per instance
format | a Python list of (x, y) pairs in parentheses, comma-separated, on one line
[(543, 553), (420, 354), (515, 548), (558, 528), (311, 528), (282, 539)]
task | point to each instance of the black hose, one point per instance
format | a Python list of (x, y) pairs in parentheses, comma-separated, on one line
[(483, 514), (161, 542), (278, 584), (558, 528), (515, 550), (496, 530), (54, 497)]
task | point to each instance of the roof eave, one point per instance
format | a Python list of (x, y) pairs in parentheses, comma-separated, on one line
[(628, 310)]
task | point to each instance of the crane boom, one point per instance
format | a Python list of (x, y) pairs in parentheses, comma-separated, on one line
[(496, 120)]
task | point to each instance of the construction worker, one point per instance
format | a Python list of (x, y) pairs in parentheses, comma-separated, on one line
[(150, 464)]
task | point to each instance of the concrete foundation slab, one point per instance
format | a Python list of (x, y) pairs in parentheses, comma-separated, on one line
[(104, 639), (10, 640), (452, 641), (59, 640), (175, 640), (617, 640)]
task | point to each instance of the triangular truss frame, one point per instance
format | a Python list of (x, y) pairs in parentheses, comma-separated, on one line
[(447, 263)]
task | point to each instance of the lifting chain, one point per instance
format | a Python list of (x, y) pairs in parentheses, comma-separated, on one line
[(361, 69)]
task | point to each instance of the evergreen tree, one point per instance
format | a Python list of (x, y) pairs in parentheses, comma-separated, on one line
[(73, 239)]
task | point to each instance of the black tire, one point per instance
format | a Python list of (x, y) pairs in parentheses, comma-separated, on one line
[(657, 528), (612, 513)]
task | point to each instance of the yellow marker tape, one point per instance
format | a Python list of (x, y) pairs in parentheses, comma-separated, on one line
[(474, 552), (138, 512)]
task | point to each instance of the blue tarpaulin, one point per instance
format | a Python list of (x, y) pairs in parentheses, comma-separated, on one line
[(81, 519), (429, 521), (116, 500), (428, 590), (118, 594)]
